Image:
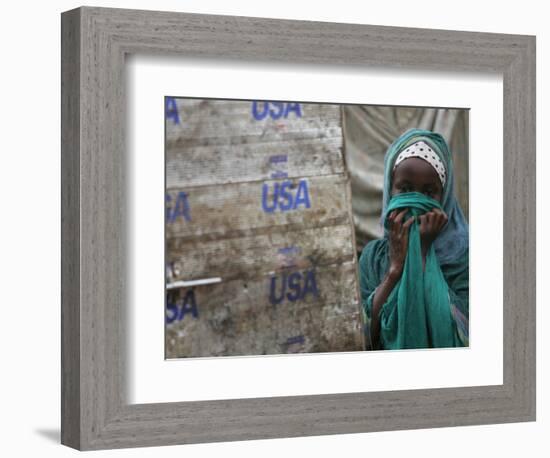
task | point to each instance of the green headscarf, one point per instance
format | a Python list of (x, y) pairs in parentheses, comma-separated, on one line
[(426, 308)]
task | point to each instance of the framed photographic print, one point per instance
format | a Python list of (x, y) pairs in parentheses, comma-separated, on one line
[(272, 241), (280, 191)]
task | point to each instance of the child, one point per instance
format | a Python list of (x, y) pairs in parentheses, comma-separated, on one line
[(414, 281)]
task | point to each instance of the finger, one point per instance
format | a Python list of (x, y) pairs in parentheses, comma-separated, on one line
[(422, 222), (429, 218), (405, 234), (408, 223), (400, 216), (441, 218), (435, 221), (394, 230), (391, 218), (441, 213)]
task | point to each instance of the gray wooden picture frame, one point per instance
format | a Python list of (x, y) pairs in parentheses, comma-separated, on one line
[(95, 413)]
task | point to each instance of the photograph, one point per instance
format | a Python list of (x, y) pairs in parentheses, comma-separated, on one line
[(306, 227)]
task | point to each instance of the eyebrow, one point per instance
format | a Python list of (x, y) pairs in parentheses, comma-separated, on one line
[(402, 181), (435, 186)]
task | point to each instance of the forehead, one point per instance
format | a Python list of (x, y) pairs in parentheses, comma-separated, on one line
[(415, 170)]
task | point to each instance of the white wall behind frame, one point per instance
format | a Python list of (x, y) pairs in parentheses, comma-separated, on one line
[(30, 267)]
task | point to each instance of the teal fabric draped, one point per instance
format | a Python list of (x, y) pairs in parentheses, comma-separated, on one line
[(373, 265), (427, 308), (417, 313)]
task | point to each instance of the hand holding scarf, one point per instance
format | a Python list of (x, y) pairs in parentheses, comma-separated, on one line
[(417, 313)]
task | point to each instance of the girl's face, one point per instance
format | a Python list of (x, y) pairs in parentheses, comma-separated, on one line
[(416, 175)]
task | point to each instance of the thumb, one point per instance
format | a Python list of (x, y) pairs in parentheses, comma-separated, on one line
[(408, 223)]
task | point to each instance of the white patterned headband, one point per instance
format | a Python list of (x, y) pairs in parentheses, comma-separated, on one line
[(424, 151)]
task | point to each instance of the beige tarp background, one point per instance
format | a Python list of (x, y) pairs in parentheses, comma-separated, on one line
[(369, 130)]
